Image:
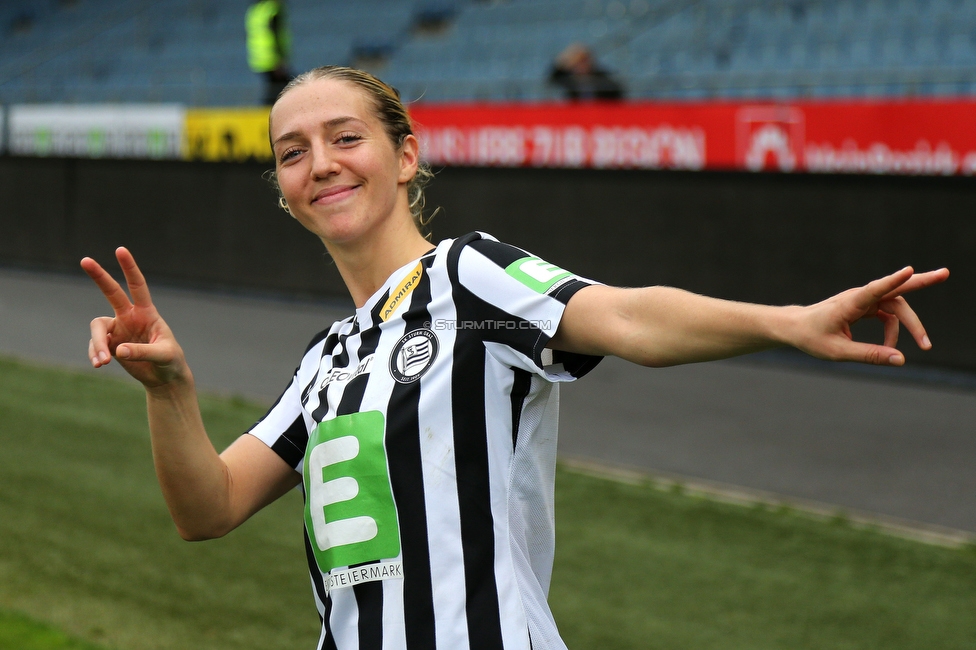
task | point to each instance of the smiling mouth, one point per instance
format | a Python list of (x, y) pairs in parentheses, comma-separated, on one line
[(334, 194)]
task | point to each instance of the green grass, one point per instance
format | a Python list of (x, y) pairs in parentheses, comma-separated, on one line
[(87, 548), (640, 568), (17, 632), (86, 543), (20, 633)]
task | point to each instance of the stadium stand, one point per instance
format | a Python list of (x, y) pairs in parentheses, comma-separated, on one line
[(192, 51)]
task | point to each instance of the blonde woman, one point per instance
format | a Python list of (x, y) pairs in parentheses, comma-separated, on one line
[(422, 428)]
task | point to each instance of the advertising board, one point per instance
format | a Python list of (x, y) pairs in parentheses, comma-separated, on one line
[(227, 134), (96, 130), (929, 137)]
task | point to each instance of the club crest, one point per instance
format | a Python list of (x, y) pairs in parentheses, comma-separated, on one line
[(413, 355)]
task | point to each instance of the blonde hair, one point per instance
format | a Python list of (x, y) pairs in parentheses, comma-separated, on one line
[(390, 111)]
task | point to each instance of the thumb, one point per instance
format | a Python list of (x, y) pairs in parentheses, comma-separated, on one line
[(152, 352), (878, 355)]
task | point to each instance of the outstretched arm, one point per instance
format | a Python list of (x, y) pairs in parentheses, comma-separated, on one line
[(661, 326), (208, 494)]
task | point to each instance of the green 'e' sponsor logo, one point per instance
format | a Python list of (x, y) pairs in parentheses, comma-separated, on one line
[(536, 274), (349, 511)]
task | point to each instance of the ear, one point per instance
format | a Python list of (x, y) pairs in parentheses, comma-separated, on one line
[(409, 158)]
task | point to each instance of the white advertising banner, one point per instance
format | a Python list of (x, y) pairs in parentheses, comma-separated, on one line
[(97, 130)]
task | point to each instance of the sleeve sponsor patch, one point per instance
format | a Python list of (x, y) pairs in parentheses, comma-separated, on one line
[(537, 274)]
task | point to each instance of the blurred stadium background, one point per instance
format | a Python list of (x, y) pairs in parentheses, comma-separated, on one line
[(192, 51)]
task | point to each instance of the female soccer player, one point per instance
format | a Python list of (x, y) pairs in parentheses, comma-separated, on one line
[(423, 428)]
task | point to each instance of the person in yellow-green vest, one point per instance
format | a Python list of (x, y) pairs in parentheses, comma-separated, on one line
[(269, 45)]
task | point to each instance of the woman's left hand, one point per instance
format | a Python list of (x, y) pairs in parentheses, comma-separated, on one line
[(823, 330)]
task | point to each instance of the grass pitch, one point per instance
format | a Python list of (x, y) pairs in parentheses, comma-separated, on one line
[(86, 542), (18, 632), (86, 546)]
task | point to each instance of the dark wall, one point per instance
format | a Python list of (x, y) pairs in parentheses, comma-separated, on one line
[(761, 237), (194, 223)]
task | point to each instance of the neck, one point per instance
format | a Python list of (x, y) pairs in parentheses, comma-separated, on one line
[(368, 262)]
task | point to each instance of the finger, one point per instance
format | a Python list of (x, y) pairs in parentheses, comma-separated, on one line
[(92, 355), (111, 289), (873, 292), (134, 278), (891, 327), (906, 315), (920, 281), (98, 349)]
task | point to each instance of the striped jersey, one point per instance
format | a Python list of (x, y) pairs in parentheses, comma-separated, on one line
[(424, 428)]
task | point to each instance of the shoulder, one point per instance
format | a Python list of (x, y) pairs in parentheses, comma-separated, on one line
[(483, 247)]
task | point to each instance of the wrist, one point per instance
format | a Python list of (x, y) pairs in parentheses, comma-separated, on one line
[(175, 387), (785, 326)]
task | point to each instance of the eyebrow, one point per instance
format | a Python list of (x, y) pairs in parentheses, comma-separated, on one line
[(331, 124)]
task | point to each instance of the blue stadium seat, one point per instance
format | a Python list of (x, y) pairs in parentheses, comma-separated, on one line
[(187, 50)]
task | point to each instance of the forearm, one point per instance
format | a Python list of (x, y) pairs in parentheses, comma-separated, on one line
[(194, 480), (668, 326), (662, 326)]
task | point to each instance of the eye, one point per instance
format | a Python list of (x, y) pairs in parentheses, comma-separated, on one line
[(348, 138), (289, 154)]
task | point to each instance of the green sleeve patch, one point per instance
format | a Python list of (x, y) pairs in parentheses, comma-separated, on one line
[(536, 274)]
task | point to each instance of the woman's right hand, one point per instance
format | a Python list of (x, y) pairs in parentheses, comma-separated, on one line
[(136, 336)]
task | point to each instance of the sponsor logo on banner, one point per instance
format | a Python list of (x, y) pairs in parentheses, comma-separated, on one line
[(639, 147), (96, 131), (769, 138), (413, 355), (227, 134), (880, 158), (661, 147)]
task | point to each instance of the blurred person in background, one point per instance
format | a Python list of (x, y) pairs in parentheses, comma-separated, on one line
[(581, 78), (269, 45), (422, 428)]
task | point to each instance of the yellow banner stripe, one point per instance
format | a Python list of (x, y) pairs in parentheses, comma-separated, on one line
[(227, 134)]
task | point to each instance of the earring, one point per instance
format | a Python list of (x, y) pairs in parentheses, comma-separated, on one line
[(284, 206)]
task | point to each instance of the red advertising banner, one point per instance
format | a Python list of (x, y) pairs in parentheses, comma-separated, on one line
[(891, 137)]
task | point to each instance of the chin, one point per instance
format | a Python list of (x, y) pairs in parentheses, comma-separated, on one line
[(338, 231)]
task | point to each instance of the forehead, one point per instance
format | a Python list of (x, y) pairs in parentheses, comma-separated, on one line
[(316, 102)]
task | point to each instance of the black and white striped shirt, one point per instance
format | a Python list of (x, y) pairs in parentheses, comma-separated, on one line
[(425, 430)]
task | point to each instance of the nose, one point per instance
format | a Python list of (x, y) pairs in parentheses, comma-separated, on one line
[(324, 163)]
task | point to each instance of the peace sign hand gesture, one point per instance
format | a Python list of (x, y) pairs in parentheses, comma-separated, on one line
[(136, 336)]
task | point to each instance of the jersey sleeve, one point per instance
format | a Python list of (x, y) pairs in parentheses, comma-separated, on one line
[(515, 300), (283, 427), (286, 425)]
